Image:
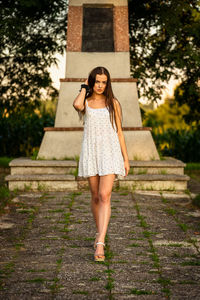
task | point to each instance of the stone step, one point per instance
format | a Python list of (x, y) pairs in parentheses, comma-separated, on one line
[(54, 182), (168, 165), (155, 182), (52, 175), (28, 166), (46, 182)]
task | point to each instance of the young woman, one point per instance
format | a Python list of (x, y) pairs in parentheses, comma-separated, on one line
[(104, 153)]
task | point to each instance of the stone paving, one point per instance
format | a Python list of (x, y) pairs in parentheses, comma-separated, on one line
[(152, 248)]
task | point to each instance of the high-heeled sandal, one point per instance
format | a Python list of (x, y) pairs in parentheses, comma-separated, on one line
[(99, 257), (95, 241)]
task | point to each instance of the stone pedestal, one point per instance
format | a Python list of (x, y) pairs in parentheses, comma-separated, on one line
[(85, 51)]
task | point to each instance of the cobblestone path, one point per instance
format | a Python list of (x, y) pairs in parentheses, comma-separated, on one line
[(152, 248)]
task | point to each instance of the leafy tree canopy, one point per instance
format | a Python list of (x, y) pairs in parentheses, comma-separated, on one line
[(31, 32), (165, 43), (167, 115), (164, 39)]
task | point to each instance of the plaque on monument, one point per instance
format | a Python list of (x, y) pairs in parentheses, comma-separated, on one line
[(97, 29)]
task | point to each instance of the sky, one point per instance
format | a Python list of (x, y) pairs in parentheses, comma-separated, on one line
[(58, 72)]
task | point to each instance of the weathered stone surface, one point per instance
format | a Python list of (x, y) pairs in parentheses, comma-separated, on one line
[(48, 253), (52, 175)]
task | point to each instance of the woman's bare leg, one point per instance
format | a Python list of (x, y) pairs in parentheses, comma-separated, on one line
[(94, 188), (105, 190)]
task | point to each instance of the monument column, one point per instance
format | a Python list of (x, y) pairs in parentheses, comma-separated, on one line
[(97, 35)]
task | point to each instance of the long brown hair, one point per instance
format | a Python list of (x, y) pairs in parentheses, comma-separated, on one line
[(108, 93)]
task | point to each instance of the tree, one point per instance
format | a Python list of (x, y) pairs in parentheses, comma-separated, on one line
[(167, 115), (31, 32), (165, 43)]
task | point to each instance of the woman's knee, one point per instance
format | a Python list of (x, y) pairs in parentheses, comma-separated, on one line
[(104, 196), (95, 198)]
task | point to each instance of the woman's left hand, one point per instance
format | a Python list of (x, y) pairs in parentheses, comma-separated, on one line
[(126, 166)]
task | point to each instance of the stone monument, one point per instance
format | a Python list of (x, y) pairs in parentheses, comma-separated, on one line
[(97, 35)]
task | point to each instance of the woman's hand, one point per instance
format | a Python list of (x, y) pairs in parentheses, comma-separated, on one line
[(86, 82), (126, 166)]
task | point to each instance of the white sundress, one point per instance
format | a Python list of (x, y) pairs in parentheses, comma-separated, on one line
[(100, 151)]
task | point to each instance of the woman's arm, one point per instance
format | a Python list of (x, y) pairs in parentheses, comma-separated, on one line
[(118, 117), (78, 103)]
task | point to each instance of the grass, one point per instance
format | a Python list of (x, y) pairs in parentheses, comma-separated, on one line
[(183, 226), (192, 166), (56, 210), (36, 271), (153, 252), (187, 282), (191, 263), (196, 200), (34, 154), (141, 292), (4, 161), (193, 170), (148, 234), (95, 279), (175, 245), (142, 171), (135, 245), (131, 171), (74, 172), (122, 194), (136, 157), (5, 198), (170, 211), (19, 245), (163, 172), (194, 174), (4, 192), (121, 262), (36, 280), (143, 223), (80, 292), (163, 281)]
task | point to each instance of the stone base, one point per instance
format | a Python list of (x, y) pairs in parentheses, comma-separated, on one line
[(155, 182), (60, 145), (67, 144), (57, 175), (42, 182)]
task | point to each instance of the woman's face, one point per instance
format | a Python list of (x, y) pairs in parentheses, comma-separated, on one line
[(100, 84)]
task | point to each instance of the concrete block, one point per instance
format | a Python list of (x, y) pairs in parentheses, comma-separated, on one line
[(60, 144), (155, 182), (140, 145), (154, 185), (125, 92), (79, 64), (43, 185)]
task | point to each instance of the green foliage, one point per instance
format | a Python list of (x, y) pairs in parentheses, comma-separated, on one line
[(4, 197), (21, 134), (196, 200), (31, 32), (167, 115), (188, 92), (165, 40), (4, 161), (192, 166), (182, 144), (172, 135)]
